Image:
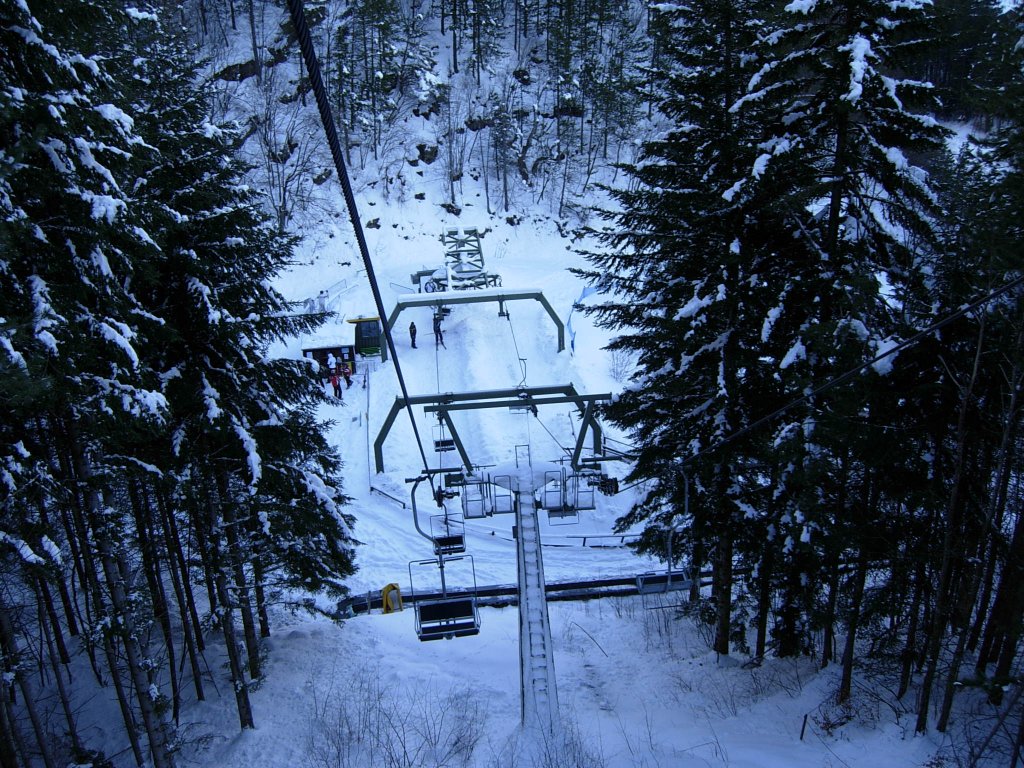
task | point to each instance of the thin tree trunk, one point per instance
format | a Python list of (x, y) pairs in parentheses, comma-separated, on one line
[(950, 546), (124, 620), (154, 578), (227, 619), (764, 596), (91, 586), (177, 554), (259, 577), (55, 662), (994, 512), (205, 549), (723, 589), (236, 557), (11, 743), (44, 517), (829, 640), (252, 40), (9, 642), (46, 599), (985, 605), (909, 652), (186, 608), (852, 624)]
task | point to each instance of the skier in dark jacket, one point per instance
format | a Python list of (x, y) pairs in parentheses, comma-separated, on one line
[(438, 334), (412, 334)]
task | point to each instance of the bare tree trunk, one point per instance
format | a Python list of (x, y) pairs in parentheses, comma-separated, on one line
[(177, 556), (252, 39), (723, 590), (909, 652), (154, 578), (58, 673), (227, 618), (46, 601), (852, 624), (764, 597), (951, 546), (9, 644), (259, 577), (11, 743), (92, 586), (236, 557), (829, 639), (124, 619), (1004, 467), (186, 607)]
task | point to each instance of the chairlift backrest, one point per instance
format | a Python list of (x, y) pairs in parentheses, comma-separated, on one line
[(649, 583), (451, 544)]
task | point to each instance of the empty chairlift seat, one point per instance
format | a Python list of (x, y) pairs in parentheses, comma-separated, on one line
[(447, 618), (651, 583), (444, 614), (449, 544), (448, 534)]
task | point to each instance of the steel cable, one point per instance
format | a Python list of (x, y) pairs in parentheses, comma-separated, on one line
[(298, 16)]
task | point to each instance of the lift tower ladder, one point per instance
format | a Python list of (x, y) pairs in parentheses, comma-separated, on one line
[(536, 656)]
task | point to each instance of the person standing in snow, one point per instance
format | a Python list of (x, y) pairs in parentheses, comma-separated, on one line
[(346, 374), (336, 383), (412, 334), (438, 334)]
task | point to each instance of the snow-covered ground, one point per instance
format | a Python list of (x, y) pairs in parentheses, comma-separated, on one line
[(637, 685)]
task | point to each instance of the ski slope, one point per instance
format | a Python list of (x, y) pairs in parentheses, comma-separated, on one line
[(637, 687)]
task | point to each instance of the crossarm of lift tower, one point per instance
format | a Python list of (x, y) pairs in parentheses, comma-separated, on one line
[(521, 397), (500, 295)]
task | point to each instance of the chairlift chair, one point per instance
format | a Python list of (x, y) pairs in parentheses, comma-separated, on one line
[(476, 498), (503, 495), (445, 615), (662, 581), (443, 443), (453, 617), (448, 534), (564, 495)]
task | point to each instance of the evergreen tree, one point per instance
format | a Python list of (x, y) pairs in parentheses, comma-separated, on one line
[(255, 471), (74, 329), (840, 151), (690, 263)]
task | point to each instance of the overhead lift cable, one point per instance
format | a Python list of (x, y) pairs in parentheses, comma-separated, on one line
[(313, 68), (519, 355), (844, 377)]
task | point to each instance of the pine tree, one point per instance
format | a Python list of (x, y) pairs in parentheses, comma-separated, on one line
[(840, 151), (73, 326), (690, 258), (253, 471)]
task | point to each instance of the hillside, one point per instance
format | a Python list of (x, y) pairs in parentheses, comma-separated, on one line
[(637, 685)]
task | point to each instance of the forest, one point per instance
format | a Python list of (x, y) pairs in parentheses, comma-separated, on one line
[(813, 276)]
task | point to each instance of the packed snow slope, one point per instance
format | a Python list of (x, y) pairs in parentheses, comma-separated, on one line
[(637, 684)]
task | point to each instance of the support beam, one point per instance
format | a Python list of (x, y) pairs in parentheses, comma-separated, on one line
[(500, 295), (442, 404), (588, 420), (588, 400), (466, 462)]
